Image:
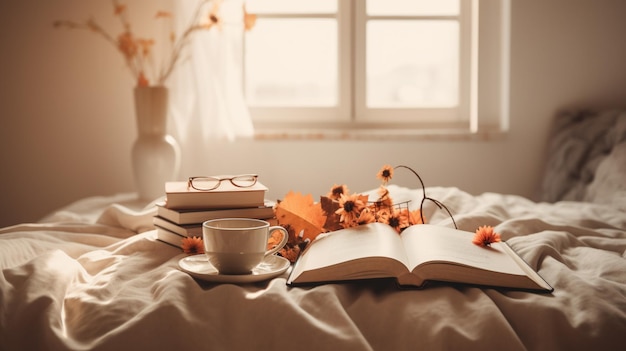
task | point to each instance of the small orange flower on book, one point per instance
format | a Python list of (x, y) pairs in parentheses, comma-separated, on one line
[(485, 236), (193, 245)]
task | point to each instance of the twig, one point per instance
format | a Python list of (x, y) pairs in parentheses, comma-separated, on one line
[(424, 198)]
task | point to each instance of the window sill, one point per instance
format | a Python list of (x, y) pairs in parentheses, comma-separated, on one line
[(373, 134)]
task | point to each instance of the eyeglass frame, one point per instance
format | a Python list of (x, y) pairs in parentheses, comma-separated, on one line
[(219, 181)]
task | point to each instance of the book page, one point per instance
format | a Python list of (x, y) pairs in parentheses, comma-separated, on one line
[(430, 243), (372, 240)]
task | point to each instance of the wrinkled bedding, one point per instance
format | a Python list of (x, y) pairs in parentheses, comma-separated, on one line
[(93, 277)]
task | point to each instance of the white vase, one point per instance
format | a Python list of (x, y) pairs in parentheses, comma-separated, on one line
[(155, 154)]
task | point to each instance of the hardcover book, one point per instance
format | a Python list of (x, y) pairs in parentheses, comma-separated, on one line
[(169, 237), (194, 229), (178, 196), (192, 216), (420, 254)]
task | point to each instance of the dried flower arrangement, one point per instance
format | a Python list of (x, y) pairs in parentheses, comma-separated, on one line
[(138, 51), (305, 220)]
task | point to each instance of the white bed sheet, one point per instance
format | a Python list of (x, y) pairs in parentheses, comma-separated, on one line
[(84, 280)]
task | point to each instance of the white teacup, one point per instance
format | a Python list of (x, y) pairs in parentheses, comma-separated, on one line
[(237, 245)]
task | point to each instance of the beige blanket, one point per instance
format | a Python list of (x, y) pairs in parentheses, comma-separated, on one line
[(87, 281)]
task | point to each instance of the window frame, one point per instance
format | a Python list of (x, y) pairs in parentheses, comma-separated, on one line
[(483, 96), (455, 115)]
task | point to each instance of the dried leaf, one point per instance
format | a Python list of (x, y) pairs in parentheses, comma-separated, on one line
[(330, 208), (302, 214)]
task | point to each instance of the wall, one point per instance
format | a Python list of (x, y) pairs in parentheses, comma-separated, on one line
[(67, 120)]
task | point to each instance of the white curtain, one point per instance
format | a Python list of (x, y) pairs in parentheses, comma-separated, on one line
[(206, 93)]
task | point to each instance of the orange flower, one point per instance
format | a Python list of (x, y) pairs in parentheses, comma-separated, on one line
[(336, 191), (349, 208), (193, 245), (385, 174), (485, 235), (382, 215), (366, 216), (384, 199), (415, 217), (119, 9), (127, 45), (399, 220), (142, 81)]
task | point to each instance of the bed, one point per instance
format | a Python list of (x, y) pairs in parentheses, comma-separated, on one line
[(92, 276)]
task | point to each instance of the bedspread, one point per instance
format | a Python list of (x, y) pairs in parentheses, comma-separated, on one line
[(101, 281)]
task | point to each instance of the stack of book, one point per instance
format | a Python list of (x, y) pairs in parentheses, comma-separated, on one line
[(184, 210)]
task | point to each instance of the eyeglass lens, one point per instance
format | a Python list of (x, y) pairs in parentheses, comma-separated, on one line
[(210, 183)]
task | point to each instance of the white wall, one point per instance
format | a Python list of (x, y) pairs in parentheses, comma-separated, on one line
[(67, 119)]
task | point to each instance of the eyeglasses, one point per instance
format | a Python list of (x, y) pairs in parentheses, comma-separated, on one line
[(210, 183)]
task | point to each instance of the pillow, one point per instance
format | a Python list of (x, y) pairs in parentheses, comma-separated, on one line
[(586, 160), (609, 183)]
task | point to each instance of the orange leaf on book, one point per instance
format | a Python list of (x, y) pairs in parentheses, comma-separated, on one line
[(330, 208), (302, 214)]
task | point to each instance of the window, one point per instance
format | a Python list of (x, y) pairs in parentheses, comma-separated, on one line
[(372, 64)]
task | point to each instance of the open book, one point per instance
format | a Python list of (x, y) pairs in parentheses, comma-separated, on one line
[(421, 253)]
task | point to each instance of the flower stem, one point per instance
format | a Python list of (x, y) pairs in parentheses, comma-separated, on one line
[(182, 41), (424, 198)]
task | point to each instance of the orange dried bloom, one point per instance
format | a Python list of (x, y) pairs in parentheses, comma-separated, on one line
[(384, 200), (119, 9), (485, 236), (366, 216), (382, 215), (127, 45), (415, 217), (385, 174), (142, 81), (349, 208), (336, 191), (193, 245), (399, 220)]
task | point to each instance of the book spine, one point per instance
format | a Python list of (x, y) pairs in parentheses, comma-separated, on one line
[(185, 230), (188, 217), (168, 237)]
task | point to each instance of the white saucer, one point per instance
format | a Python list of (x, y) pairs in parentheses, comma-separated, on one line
[(198, 266)]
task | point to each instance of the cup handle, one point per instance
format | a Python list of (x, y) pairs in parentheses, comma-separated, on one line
[(282, 243)]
